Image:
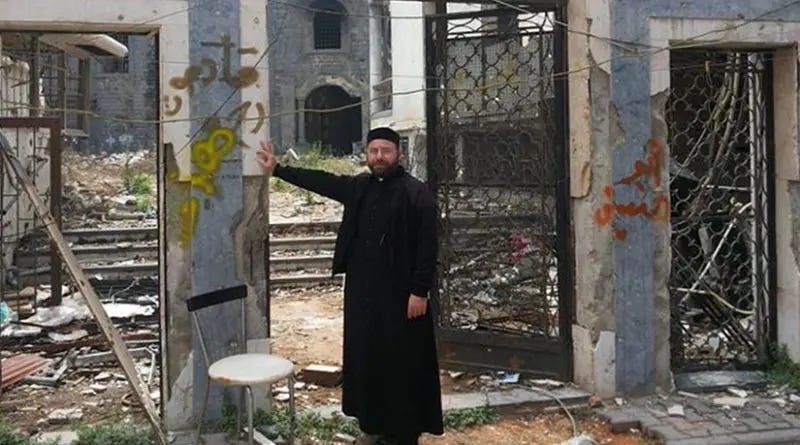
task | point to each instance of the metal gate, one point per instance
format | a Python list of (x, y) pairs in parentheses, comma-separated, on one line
[(723, 276), (497, 160), (36, 142)]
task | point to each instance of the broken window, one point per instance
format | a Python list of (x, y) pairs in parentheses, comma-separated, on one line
[(328, 16)]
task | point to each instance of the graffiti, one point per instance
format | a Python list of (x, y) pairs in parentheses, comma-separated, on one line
[(188, 212), (654, 206), (207, 156), (208, 71), (172, 111)]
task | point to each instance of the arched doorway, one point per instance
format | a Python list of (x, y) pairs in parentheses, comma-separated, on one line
[(335, 131)]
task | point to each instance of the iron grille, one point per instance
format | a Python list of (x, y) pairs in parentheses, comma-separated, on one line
[(718, 115), (496, 156)]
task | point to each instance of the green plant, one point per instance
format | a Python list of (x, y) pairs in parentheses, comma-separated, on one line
[(144, 203), (115, 433), (311, 426), (781, 370), (138, 183), (469, 417), (10, 436)]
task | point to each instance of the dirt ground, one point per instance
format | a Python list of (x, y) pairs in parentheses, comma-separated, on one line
[(307, 328)]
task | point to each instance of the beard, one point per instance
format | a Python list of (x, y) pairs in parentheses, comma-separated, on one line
[(383, 169)]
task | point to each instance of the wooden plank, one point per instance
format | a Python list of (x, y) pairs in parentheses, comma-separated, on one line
[(92, 300)]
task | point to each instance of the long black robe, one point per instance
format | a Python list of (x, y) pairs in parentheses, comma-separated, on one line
[(387, 247)]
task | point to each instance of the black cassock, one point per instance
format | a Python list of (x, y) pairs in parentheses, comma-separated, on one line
[(387, 247)]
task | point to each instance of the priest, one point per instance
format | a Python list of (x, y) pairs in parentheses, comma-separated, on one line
[(387, 247)]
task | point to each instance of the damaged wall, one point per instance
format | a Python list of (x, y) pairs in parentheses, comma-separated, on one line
[(125, 88), (296, 68), (30, 147), (209, 238), (618, 93)]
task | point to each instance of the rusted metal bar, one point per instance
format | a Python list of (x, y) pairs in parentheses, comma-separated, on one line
[(111, 333)]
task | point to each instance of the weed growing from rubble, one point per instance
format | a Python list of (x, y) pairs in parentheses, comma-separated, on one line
[(466, 418), (782, 370), (115, 433), (138, 183), (10, 436), (311, 427)]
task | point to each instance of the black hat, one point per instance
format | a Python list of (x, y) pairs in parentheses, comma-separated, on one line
[(383, 133)]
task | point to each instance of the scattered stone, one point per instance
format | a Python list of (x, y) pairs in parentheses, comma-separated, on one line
[(282, 397), (88, 392), (64, 416), (676, 411), (580, 440), (740, 393), (734, 402), (344, 438), (780, 402), (794, 398), (455, 374), (98, 388), (312, 387), (688, 394), (595, 402), (281, 390), (103, 376), (619, 401), (91, 404), (299, 385)]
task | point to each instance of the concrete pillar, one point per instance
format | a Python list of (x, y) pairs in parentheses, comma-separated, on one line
[(375, 41), (218, 211)]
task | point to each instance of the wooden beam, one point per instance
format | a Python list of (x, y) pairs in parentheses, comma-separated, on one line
[(92, 300)]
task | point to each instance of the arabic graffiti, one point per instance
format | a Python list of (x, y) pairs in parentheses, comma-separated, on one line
[(654, 205)]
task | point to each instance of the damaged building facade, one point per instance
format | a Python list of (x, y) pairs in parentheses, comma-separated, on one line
[(638, 166), (617, 179), (319, 61), (212, 194)]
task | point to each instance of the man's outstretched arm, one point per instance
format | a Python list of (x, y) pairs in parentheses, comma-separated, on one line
[(336, 187)]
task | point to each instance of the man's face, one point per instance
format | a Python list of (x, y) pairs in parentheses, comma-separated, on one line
[(382, 156)]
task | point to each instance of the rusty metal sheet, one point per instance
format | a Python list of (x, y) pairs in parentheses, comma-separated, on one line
[(17, 367)]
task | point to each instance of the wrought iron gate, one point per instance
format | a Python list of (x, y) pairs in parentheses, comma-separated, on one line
[(722, 280), (497, 159)]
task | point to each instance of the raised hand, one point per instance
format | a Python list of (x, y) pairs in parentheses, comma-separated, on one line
[(266, 157)]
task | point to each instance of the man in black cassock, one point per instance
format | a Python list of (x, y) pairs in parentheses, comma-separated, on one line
[(387, 247)]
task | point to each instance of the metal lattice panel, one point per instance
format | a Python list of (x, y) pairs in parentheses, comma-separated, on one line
[(495, 163), (720, 282)]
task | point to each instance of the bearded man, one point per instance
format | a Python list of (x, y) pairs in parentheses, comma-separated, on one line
[(387, 247)]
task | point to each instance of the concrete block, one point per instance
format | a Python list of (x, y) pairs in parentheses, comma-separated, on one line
[(323, 375), (59, 437), (716, 381)]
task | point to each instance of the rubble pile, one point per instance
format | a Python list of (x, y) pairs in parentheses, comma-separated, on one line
[(59, 368)]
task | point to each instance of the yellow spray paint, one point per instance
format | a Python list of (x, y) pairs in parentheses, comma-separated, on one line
[(207, 157)]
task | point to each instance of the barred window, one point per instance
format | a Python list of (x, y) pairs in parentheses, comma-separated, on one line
[(327, 25)]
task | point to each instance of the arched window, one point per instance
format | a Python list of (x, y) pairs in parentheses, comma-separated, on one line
[(328, 18)]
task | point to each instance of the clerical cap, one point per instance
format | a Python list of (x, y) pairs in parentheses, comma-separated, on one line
[(384, 133)]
